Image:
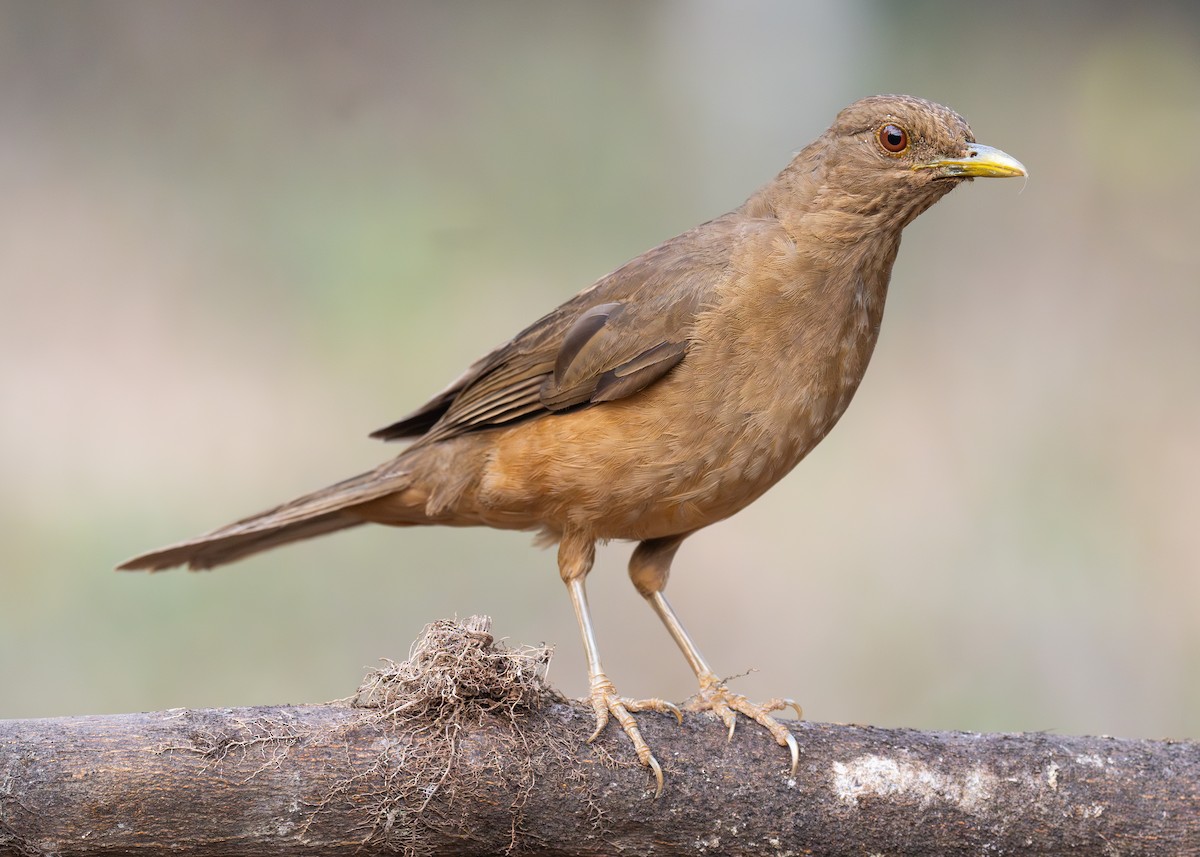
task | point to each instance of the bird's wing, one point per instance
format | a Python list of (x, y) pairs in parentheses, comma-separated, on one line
[(606, 343)]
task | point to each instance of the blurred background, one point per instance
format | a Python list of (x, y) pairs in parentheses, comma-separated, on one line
[(236, 237)]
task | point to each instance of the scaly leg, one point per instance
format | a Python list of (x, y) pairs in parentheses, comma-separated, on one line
[(649, 568), (575, 557)]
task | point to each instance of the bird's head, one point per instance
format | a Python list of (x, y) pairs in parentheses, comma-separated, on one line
[(889, 157)]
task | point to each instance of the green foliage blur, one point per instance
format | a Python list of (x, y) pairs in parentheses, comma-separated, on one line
[(237, 236)]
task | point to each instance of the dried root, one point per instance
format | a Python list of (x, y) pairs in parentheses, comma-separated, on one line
[(456, 681), (455, 670)]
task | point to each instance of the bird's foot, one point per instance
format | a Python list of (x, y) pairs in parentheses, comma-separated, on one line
[(714, 696), (605, 702)]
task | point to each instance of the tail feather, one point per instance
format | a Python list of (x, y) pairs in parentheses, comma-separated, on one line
[(325, 511)]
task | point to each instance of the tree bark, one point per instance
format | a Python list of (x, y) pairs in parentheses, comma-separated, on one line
[(427, 760)]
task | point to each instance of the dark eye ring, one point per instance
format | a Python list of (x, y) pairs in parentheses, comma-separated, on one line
[(893, 138)]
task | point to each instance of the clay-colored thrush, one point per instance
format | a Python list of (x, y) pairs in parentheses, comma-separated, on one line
[(668, 395)]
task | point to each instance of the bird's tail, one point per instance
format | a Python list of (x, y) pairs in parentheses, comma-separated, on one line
[(325, 511)]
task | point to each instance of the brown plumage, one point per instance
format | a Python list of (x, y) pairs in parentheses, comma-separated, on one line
[(670, 394)]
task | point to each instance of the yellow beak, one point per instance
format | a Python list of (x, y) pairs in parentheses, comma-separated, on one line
[(980, 162)]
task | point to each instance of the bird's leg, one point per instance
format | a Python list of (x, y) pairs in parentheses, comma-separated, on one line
[(648, 569), (575, 557)]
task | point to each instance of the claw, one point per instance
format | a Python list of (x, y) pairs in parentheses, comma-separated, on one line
[(777, 704), (795, 750), (658, 775)]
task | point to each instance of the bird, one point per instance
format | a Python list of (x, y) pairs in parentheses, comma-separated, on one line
[(668, 395)]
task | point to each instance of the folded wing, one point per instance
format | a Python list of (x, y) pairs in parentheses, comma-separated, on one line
[(608, 342)]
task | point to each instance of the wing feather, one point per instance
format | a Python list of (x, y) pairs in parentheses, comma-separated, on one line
[(608, 342)]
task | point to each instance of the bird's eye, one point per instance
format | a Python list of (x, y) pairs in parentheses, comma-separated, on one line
[(893, 138)]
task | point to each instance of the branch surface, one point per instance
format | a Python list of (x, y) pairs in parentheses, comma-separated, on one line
[(462, 750)]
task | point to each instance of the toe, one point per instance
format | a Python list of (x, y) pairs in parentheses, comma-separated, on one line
[(780, 704), (600, 707), (727, 714), (659, 705)]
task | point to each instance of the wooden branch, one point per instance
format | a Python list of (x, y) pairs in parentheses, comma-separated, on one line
[(463, 751)]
